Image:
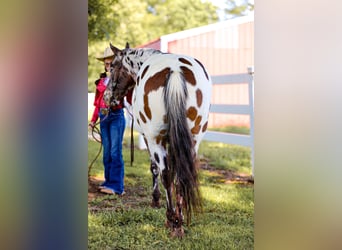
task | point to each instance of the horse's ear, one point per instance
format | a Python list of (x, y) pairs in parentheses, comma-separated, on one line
[(115, 50), (127, 45)]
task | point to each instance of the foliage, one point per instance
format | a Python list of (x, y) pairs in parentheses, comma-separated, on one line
[(95, 67), (130, 223), (139, 21), (101, 21), (178, 15), (235, 8)]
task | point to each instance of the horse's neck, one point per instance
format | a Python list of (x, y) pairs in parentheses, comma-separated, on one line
[(134, 60)]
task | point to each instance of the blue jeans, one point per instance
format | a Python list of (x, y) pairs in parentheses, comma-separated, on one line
[(112, 129)]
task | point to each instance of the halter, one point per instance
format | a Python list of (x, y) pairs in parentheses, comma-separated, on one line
[(118, 67)]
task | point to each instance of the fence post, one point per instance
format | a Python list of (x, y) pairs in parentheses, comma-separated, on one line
[(142, 144), (251, 104)]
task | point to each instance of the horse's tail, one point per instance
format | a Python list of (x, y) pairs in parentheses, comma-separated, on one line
[(181, 160)]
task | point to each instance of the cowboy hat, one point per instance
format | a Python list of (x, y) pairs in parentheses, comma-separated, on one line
[(108, 53)]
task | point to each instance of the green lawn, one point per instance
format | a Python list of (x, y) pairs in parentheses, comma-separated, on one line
[(129, 222), (233, 129)]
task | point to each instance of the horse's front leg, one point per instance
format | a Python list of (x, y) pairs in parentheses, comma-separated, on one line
[(156, 192)]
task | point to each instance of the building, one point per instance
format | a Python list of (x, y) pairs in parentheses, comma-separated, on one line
[(226, 47)]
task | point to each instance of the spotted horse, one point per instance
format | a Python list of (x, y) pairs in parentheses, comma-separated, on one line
[(171, 100)]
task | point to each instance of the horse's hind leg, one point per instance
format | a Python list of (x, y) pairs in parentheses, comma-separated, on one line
[(167, 183), (174, 217), (178, 230), (156, 191)]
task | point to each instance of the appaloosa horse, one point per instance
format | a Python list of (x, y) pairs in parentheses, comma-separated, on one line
[(171, 100)]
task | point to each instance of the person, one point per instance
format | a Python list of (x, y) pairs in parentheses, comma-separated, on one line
[(112, 126)]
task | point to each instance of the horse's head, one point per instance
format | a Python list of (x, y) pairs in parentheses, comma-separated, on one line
[(120, 80)]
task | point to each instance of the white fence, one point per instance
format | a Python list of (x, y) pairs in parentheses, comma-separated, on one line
[(229, 138)]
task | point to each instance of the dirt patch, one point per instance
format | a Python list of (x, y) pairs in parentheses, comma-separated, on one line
[(229, 176), (136, 196), (93, 191)]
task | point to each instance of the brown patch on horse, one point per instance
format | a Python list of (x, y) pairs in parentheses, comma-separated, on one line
[(191, 113), (198, 120), (196, 129), (188, 75), (157, 80), (199, 97), (158, 138), (205, 72), (161, 137), (183, 60), (142, 117), (205, 126), (165, 119), (144, 71), (147, 107)]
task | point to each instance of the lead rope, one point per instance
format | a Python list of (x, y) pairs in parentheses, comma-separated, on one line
[(95, 129), (132, 137), (100, 149), (132, 143)]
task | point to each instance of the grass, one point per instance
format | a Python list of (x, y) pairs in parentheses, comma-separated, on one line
[(233, 129), (226, 157), (130, 223)]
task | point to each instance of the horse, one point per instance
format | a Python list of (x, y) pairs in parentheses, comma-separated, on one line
[(171, 101)]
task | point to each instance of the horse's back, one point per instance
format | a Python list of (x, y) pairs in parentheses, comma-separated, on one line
[(177, 63)]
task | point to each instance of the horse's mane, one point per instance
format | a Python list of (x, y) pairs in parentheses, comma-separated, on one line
[(139, 52)]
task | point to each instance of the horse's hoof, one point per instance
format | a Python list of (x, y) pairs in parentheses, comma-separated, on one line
[(177, 232), (155, 204), (167, 224)]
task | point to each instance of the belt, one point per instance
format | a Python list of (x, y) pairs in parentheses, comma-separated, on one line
[(104, 111)]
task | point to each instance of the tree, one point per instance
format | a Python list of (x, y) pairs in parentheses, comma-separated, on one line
[(170, 16), (101, 21), (119, 22)]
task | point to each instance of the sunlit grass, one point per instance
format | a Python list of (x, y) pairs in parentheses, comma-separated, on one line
[(233, 129), (227, 156)]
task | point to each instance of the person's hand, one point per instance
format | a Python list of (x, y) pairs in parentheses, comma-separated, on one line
[(91, 125)]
